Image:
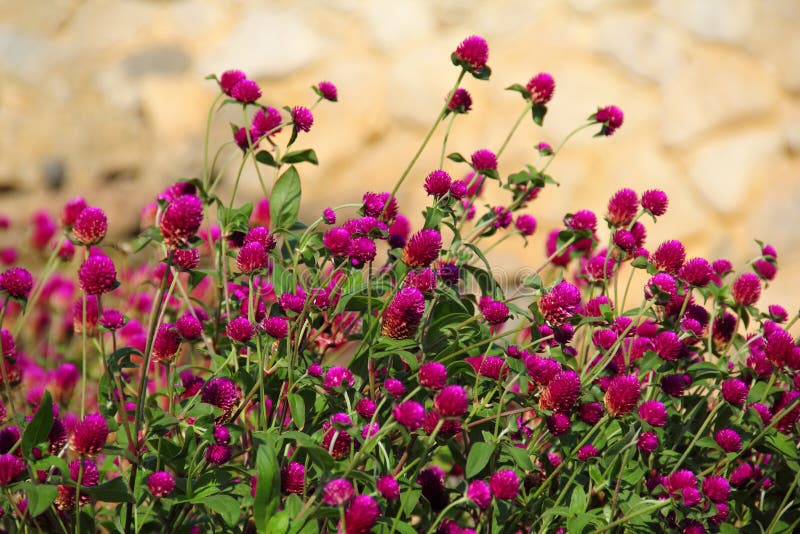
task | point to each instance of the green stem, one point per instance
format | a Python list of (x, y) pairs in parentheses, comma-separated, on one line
[(637, 513), (781, 508), (210, 116), (697, 436), (444, 141), (443, 513), (525, 111)]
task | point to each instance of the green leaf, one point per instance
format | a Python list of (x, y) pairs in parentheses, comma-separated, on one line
[(268, 488), (299, 156), (297, 407), (40, 497), (520, 89), (577, 503), (39, 427), (639, 262), (121, 359), (279, 524), (521, 457), (285, 199), (265, 157), (455, 156), (115, 490), (236, 219), (226, 506), (479, 456), (538, 111)]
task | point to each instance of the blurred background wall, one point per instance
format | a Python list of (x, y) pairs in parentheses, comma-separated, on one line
[(106, 99)]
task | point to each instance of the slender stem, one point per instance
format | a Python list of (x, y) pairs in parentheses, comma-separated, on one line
[(444, 141), (3, 363), (525, 111), (564, 142), (37, 291), (206, 169), (443, 513), (785, 500), (414, 159), (637, 513), (697, 436)]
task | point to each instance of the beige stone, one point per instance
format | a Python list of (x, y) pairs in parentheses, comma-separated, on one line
[(714, 20), (725, 170)]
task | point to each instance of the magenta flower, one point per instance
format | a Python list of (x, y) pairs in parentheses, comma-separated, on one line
[(240, 329), (338, 377), (653, 413), (437, 183), (729, 440), (338, 492), (611, 119), (452, 401), (89, 436), (277, 327), (541, 88), (586, 452), (328, 91), (90, 226), (474, 51), (11, 466), (746, 289), (160, 483), (669, 257), (166, 344), (388, 487), (562, 392), (480, 493), (735, 391), (525, 224), (229, 79), (460, 102), (495, 312), (181, 219), (647, 442), (72, 209), (402, 316), (18, 282), (293, 476), (410, 414), (622, 395), (504, 484), (361, 515), (483, 160), (716, 488), (422, 248), (622, 208), (303, 118), (432, 375), (655, 201), (246, 91), (560, 303)]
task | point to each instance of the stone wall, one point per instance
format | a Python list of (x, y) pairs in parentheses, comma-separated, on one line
[(107, 99)]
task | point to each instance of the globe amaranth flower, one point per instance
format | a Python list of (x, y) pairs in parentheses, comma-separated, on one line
[(560, 303), (394, 387), (89, 435), (229, 79), (423, 248), (277, 327), (622, 395), (366, 407), (261, 235), (696, 271), (18, 282), (653, 413), (746, 289), (624, 240), (329, 216), (181, 219), (716, 488), (218, 454), (424, 280), (647, 442), (480, 493), (167, 343), (562, 392), (437, 183), (252, 257), (452, 401), (495, 312), (221, 434), (483, 160), (410, 414), (361, 515), (338, 377), (382, 206), (586, 452), (541, 88), (90, 226), (246, 91), (432, 375), (504, 484), (502, 217), (337, 241), (525, 224), (590, 412), (302, 118), (161, 483), (611, 119), (735, 391), (11, 466), (675, 385), (97, 275), (72, 209), (655, 201), (338, 492), (728, 439), (293, 477), (240, 329), (328, 91), (189, 326), (362, 250), (460, 102), (474, 52), (388, 487), (222, 393), (622, 207), (669, 257), (402, 316), (335, 439), (186, 259)]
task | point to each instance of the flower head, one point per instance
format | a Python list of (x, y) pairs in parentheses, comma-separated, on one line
[(181, 219), (480, 493), (669, 256), (246, 91), (252, 257), (410, 414), (505, 484), (716, 488), (240, 329), (474, 52), (11, 466), (586, 452), (437, 183), (495, 312), (402, 316), (293, 478), (452, 401), (560, 303), (653, 413), (97, 275), (483, 160), (647, 442), (611, 118), (89, 435), (562, 392), (18, 282), (622, 395), (361, 515), (277, 327), (735, 391), (696, 271), (460, 102), (338, 492), (746, 289), (167, 343), (303, 118), (525, 224), (728, 439), (328, 91), (655, 201), (432, 375), (388, 487), (541, 88), (90, 226), (622, 207), (161, 483), (229, 79)]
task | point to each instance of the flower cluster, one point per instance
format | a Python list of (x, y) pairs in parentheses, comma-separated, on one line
[(235, 369)]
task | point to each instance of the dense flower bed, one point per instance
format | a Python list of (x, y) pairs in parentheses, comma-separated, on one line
[(354, 374)]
